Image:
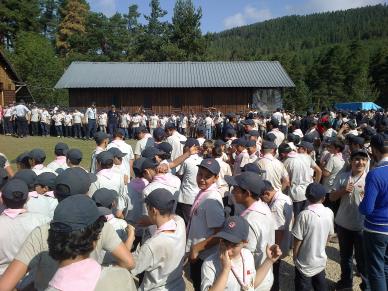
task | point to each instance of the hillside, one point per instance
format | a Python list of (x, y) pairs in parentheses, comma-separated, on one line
[(295, 33)]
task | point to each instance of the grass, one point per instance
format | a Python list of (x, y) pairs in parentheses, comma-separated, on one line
[(12, 147)]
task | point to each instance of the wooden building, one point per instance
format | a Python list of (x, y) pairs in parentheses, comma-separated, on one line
[(12, 87), (177, 86)]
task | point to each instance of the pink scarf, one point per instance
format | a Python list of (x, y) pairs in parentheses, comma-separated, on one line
[(168, 226), (60, 159), (109, 217), (257, 206), (33, 194), (107, 173), (13, 213), (38, 167), (82, 275)]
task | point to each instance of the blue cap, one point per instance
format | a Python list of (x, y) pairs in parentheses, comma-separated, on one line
[(249, 181), (116, 152), (104, 197), (159, 133), (315, 191), (254, 133), (266, 145), (241, 142), (151, 152), (161, 199), (100, 136), (219, 142), (250, 143), (15, 190), (74, 154), (46, 179), (164, 147), (105, 157), (210, 164), (37, 155), (234, 230), (61, 149), (252, 167), (27, 175), (75, 179), (74, 213), (248, 122), (306, 145), (191, 142)]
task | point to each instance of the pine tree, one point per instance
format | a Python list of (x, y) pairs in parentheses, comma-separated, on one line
[(186, 30), (72, 23), (379, 73)]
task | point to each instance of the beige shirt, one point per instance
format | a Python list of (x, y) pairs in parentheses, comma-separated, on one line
[(34, 252), (274, 170)]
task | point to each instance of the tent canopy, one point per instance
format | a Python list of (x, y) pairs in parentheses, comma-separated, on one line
[(354, 106)]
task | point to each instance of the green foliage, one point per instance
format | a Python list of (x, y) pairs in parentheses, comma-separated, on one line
[(34, 58)]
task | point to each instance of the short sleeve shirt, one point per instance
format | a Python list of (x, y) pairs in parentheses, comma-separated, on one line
[(274, 171), (334, 166), (189, 188)]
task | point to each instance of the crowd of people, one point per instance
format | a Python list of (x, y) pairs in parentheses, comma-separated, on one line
[(225, 195)]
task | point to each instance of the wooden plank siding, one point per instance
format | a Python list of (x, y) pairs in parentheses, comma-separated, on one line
[(164, 100)]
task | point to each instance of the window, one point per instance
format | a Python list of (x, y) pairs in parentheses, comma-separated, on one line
[(176, 102)]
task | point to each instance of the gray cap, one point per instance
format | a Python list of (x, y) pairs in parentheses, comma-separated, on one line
[(104, 197), (74, 213), (105, 157), (116, 152), (252, 167), (306, 145), (210, 164), (37, 155), (234, 230), (100, 136), (46, 179), (74, 154), (61, 149), (151, 152), (27, 175), (266, 145), (315, 191), (77, 180)]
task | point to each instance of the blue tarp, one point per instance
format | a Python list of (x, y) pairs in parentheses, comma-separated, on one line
[(354, 106)]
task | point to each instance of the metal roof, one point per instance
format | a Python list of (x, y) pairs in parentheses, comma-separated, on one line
[(262, 74)]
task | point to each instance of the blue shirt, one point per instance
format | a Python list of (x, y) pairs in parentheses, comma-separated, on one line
[(375, 203)]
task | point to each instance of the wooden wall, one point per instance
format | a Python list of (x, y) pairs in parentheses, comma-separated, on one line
[(8, 94), (165, 100)]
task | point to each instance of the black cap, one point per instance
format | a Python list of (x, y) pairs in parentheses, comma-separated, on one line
[(151, 152), (358, 140), (248, 122), (105, 157), (74, 154), (270, 137), (306, 145), (74, 213), (164, 147), (248, 181), (46, 179), (27, 175), (15, 190), (254, 133), (210, 164), (76, 179), (145, 164), (23, 157), (356, 153), (105, 197), (116, 152), (234, 230), (191, 142), (315, 191), (252, 167), (37, 155), (100, 136), (61, 149), (159, 133), (268, 145), (219, 142), (284, 148), (161, 199)]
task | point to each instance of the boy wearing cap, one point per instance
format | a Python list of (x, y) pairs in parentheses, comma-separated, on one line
[(275, 172), (242, 157), (108, 178), (225, 169), (311, 231), (34, 252), (188, 173), (73, 235), (252, 151), (42, 200), (161, 256), (349, 187), (206, 217), (16, 223), (74, 158), (305, 149), (118, 163), (175, 139), (335, 163), (144, 140), (118, 142), (36, 160), (281, 209), (247, 188), (232, 267), (273, 125), (60, 157), (102, 141)]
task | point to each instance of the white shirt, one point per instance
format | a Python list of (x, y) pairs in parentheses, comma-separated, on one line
[(189, 188), (274, 170), (279, 136), (124, 148), (154, 119), (141, 144), (67, 119), (20, 110), (44, 205), (313, 226), (77, 117), (91, 113), (177, 147), (35, 115)]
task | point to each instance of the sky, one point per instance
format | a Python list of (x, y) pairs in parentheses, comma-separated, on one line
[(219, 15)]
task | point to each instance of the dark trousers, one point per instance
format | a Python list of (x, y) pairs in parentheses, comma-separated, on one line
[(35, 128), (195, 274), (8, 126), (77, 130), (91, 128), (276, 274), (22, 126), (183, 210), (45, 128), (112, 128), (376, 247), (68, 131), (349, 240), (298, 207), (316, 283), (58, 130)]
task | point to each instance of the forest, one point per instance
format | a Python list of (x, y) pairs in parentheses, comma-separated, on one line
[(331, 57)]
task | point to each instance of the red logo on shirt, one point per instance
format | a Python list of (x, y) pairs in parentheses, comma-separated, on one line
[(232, 224), (209, 162)]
